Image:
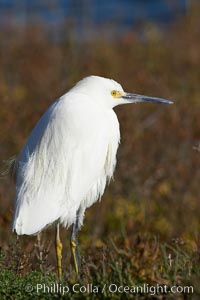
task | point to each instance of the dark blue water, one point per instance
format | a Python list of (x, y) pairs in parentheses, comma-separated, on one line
[(123, 14)]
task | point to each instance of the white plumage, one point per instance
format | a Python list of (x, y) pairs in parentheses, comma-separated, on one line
[(66, 161), (70, 155)]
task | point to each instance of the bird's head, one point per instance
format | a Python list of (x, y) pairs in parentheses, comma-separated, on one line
[(110, 93)]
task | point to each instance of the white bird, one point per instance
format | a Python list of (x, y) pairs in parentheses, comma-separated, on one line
[(68, 158)]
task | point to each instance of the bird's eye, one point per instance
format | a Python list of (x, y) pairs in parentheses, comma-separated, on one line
[(114, 93)]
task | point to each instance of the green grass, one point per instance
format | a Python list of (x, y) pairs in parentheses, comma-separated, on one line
[(146, 228), (147, 263)]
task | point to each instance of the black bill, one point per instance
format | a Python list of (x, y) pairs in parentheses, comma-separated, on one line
[(135, 98)]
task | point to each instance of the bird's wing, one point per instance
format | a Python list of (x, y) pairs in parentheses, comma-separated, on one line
[(60, 161)]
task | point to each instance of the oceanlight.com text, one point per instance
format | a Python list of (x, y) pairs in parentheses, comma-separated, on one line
[(108, 289)]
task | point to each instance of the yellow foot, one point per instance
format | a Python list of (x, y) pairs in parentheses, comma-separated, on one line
[(59, 258), (75, 255)]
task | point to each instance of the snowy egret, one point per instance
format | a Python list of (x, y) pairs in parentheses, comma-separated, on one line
[(68, 158)]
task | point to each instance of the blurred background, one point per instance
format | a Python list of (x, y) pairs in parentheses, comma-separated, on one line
[(150, 47)]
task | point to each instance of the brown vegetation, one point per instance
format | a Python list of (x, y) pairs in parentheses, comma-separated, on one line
[(156, 187)]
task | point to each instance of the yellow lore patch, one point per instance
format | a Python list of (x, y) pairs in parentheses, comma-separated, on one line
[(117, 94)]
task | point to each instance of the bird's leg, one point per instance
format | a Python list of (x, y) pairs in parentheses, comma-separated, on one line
[(74, 245), (58, 252), (39, 245), (40, 250)]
